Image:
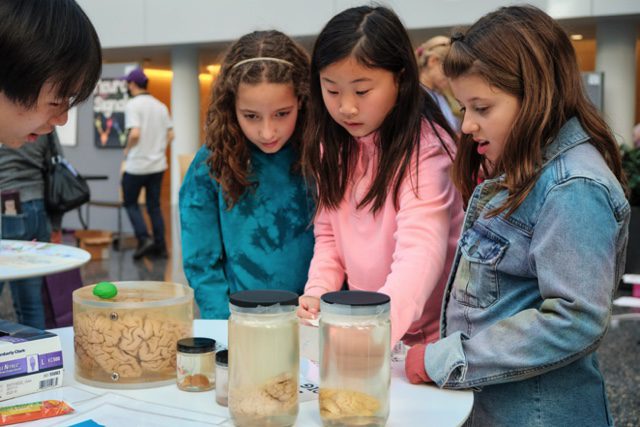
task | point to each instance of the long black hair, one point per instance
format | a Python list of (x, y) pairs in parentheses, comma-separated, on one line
[(375, 38)]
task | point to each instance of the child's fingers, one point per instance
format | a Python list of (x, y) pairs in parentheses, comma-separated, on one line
[(303, 313), (308, 308)]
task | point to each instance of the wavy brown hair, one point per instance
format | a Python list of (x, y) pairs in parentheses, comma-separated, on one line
[(376, 38), (229, 159), (523, 52)]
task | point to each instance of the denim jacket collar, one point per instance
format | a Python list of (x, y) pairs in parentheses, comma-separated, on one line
[(570, 135)]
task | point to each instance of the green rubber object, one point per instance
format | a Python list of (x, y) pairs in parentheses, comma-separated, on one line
[(105, 290)]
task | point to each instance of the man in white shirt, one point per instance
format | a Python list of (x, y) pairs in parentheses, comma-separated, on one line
[(150, 131)]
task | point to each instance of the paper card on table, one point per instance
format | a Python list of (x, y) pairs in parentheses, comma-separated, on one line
[(90, 409), (309, 342), (114, 415), (307, 391)]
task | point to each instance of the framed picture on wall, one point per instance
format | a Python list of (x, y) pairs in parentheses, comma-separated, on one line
[(109, 100)]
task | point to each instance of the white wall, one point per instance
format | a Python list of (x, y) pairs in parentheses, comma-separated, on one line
[(124, 23)]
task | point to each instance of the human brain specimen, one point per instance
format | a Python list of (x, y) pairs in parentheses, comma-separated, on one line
[(126, 346)]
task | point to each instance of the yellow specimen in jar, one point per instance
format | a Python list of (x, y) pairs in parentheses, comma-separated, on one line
[(336, 403)]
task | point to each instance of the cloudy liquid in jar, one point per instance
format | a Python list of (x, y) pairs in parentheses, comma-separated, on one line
[(355, 372), (263, 369)]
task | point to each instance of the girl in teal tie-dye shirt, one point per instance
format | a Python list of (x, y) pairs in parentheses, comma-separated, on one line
[(245, 209)]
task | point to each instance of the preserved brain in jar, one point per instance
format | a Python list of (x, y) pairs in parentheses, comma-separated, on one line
[(347, 403), (129, 345), (277, 395)]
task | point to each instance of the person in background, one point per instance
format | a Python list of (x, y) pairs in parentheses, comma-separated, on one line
[(380, 151), (150, 131), (245, 208), (430, 56), (544, 239), (43, 71), (24, 217)]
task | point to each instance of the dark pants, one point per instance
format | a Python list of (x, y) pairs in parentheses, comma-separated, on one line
[(31, 224), (131, 187)]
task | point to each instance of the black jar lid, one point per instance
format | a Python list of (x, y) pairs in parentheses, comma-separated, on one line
[(222, 357), (356, 298), (196, 345), (263, 298)]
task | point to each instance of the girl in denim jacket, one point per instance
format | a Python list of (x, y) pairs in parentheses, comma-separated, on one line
[(544, 236)]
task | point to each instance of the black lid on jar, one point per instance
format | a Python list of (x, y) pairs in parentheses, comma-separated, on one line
[(263, 298), (222, 357), (196, 345), (356, 298)]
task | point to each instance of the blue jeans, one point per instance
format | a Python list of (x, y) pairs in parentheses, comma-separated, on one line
[(31, 224), (131, 187)]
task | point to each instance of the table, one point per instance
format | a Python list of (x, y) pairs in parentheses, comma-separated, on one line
[(20, 259), (411, 405)]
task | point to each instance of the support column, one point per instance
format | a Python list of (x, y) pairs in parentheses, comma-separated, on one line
[(616, 58), (185, 110)]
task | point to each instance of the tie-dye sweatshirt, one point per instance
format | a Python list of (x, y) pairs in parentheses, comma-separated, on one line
[(264, 242)]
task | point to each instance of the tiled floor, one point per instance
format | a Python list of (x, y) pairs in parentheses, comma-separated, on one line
[(619, 353)]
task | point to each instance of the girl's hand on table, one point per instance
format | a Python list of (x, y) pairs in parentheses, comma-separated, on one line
[(414, 365)]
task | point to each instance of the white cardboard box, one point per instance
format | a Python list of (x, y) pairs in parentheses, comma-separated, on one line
[(30, 360)]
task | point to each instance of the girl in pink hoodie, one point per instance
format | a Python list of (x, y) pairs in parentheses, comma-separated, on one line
[(380, 152)]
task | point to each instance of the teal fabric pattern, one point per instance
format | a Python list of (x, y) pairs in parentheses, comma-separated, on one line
[(264, 242)]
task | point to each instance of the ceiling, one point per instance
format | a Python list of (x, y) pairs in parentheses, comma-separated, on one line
[(211, 53)]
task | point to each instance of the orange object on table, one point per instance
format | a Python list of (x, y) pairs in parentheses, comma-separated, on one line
[(33, 411)]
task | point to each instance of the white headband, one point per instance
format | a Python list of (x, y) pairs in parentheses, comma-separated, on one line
[(262, 58)]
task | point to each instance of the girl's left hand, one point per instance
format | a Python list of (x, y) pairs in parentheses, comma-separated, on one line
[(308, 307), (414, 365)]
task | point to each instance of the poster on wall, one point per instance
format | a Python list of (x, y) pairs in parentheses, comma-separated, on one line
[(109, 100)]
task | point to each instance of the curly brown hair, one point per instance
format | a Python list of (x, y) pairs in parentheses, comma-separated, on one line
[(229, 159)]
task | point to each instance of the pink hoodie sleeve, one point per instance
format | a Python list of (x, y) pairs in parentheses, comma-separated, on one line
[(326, 272), (422, 236)]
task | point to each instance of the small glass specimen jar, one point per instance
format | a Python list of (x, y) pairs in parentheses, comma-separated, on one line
[(195, 364)]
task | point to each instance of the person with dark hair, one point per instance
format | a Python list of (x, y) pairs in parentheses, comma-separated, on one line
[(51, 60), (24, 217), (380, 151), (245, 208), (543, 246), (150, 131)]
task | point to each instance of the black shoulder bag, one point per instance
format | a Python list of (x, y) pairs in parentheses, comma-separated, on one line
[(65, 189)]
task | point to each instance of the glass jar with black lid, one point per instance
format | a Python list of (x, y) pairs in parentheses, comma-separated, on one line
[(222, 377), (195, 364), (263, 358), (355, 359)]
